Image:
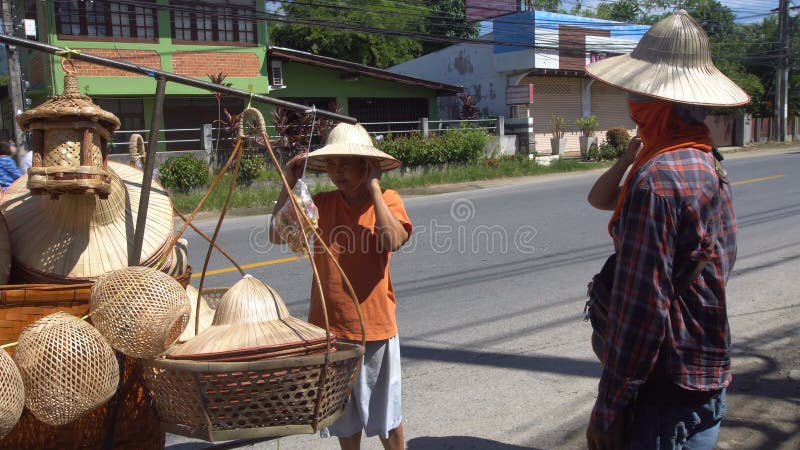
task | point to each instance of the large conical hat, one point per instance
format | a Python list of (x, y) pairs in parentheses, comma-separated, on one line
[(78, 238), (5, 251), (671, 62), (251, 319)]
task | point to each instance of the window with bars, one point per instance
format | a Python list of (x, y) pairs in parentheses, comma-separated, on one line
[(223, 21), (106, 19)]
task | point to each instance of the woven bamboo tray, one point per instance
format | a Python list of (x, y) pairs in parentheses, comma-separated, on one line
[(246, 400)]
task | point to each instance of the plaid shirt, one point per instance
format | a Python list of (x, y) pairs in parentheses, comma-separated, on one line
[(668, 218)]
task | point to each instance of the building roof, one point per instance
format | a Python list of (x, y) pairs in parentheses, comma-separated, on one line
[(359, 69)]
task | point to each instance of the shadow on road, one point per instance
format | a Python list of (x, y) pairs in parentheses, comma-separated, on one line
[(460, 443), (763, 400), (536, 363)]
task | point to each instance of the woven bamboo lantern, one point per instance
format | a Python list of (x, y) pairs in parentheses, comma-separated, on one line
[(140, 310), (251, 321), (69, 138), (12, 394), (67, 367)]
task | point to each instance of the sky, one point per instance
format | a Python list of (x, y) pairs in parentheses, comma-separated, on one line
[(745, 10)]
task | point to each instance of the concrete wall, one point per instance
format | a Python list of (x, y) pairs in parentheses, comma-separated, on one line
[(468, 65)]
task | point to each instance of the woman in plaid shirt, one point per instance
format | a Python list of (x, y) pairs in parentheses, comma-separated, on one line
[(666, 357)]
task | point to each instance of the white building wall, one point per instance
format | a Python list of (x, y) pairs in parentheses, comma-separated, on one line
[(467, 65)]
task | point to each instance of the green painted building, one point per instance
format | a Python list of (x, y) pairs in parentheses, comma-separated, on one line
[(198, 39)]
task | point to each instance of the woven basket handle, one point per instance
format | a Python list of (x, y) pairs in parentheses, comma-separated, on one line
[(136, 149), (262, 125)]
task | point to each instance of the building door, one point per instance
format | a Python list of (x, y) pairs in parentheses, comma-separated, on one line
[(189, 114), (371, 110)]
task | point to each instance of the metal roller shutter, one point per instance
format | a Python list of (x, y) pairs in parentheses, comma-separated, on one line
[(555, 96), (610, 106)]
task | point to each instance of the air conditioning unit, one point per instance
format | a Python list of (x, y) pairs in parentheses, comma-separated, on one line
[(276, 74)]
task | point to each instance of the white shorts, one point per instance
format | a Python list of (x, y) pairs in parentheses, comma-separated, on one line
[(374, 404)]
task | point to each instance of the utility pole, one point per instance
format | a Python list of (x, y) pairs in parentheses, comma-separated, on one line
[(14, 78), (782, 74)]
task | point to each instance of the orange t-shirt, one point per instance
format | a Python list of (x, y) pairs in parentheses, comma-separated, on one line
[(349, 232)]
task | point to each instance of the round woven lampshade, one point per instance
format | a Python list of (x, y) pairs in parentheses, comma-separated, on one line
[(5, 251), (80, 237), (12, 394), (251, 318), (206, 314), (140, 310), (67, 367)]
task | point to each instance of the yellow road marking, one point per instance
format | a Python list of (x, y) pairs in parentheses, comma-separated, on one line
[(295, 258), (250, 266), (756, 180)]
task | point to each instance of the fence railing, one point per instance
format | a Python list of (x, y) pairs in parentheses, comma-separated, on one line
[(427, 127), (208, 138)]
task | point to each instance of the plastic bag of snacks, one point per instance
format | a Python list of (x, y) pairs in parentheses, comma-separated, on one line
[(287, 224)]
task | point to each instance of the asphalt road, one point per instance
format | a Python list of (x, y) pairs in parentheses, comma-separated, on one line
[(490, 296)]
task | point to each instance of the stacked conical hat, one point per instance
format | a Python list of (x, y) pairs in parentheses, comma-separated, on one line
[(77, 238), (5, 251), (206, 314), (251, 321)]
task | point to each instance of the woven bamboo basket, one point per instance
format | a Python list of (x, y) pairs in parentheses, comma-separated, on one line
[(245, 400), (136, 425)]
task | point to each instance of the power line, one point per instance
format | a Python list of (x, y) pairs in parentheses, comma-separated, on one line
[(524, 35)]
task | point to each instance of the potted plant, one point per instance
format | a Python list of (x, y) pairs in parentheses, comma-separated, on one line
[(557, 127), (587, 126)]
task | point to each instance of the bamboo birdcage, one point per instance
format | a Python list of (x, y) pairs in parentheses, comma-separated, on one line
[(69, 139)]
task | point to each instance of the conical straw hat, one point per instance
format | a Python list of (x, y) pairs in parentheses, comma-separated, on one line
[(206, 314), (5, 251), (80, 237), (251, 317), (348, 140), (12, 394), (671, 62), (67, 367)]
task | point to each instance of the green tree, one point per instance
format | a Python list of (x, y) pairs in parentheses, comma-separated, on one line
[(794, 95), (447, 18), (379, 46), (543, 5), (748, 81), (622, 11), (372, 49)]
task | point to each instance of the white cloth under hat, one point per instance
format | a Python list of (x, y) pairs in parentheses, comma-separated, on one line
[(671, 62)]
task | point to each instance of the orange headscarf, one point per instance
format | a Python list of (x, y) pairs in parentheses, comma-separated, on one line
[(661, 130)]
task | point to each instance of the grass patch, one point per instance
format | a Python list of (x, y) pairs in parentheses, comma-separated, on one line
[(263, 192), (485, 170)]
